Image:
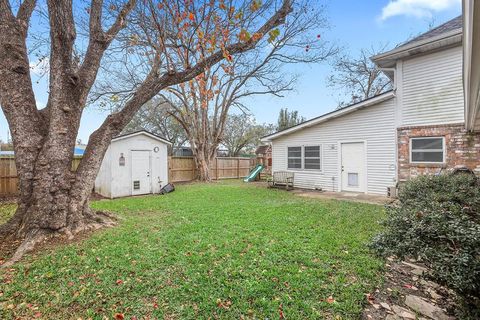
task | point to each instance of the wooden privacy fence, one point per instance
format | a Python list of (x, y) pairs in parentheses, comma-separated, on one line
[(180, 169), (8, 175)]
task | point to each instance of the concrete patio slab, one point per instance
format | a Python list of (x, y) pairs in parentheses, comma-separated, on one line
[(348, 196)]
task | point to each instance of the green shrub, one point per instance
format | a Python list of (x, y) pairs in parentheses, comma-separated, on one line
[(437, 219)]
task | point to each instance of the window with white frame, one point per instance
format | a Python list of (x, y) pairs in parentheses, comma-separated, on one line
[(305, 158), (294, 157), (311, 159), (427, 150)]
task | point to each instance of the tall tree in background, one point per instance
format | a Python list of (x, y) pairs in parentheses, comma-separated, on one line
[(203, 104), (154, 117), (287, 119), (242, 133), (53, 198), (358, 77)]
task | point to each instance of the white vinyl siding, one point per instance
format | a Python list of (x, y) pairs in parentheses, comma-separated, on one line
[(432, 89), (375, 125)]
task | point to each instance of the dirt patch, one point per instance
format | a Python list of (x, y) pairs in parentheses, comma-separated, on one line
[(9, 245), (407, 294)]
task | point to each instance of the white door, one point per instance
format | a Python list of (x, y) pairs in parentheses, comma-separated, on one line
[(353, 166), (141, 169)]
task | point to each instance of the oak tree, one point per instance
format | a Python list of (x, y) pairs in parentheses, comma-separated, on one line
[(54, 199)]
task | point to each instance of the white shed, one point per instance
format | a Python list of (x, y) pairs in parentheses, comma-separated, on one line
[(134, 164)]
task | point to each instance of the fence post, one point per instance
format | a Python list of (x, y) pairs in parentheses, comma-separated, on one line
[(216, 168), (238, 168)]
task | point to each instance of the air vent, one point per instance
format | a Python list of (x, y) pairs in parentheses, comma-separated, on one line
[(136, 185)]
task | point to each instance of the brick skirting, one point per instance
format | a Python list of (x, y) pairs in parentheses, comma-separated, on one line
[(462, 149)]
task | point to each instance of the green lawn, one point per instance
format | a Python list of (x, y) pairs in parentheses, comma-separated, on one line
[(221, 251)]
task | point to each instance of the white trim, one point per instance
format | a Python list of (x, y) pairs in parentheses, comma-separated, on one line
[(444, 150), (145, 133), (471, 61), (334, 114), (451, 38), (365, 164)]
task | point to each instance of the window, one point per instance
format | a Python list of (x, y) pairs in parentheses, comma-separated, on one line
[(427, 150), (311, 160), (294, 157), (307, 157)]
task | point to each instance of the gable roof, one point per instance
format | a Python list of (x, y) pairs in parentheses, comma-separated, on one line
[(332, 115), (451, 25), (141, 132), (446, 35)]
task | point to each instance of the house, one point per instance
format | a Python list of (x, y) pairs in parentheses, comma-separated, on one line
[(134, 164), (425, 125)]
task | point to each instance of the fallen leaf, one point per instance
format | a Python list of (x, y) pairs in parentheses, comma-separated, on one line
[(119, 316), (118, 282), (330, 300)]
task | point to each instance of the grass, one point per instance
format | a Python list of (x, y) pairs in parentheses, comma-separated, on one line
[(219, 251)]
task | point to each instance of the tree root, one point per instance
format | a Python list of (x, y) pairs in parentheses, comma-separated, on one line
[(92, 221)]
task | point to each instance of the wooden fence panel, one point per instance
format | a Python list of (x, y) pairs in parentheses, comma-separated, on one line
[(180, 169), (8, 177)]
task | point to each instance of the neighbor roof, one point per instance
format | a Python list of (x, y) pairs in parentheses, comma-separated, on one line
[(331, 115), (446, 35), (142, 132)]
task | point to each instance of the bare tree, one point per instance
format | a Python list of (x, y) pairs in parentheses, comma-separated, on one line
[(154, 117), (53, 198), (358, 77), (202, 105)]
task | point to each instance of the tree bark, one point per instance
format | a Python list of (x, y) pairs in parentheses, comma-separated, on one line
[(204, 155), (54, 199)]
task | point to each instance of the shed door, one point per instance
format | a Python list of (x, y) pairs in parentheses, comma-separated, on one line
[(141, 169), (353, 167)]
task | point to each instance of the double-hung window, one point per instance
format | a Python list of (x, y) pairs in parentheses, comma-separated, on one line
[(311, 159), (427, 150), (294, 157), (305, 158)]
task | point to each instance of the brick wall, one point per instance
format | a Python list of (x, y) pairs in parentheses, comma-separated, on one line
[(462, 150)]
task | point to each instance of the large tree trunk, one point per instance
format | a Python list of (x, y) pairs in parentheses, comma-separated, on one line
[(54, 199), (56, 202), (204, 155)]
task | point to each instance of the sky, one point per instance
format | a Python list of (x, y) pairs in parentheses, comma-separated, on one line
[(354, 25)]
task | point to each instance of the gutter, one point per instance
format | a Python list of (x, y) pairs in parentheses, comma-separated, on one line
[(449, 39)]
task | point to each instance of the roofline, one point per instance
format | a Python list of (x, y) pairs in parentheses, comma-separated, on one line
[(145, 132), (448, 39), (331, 115)]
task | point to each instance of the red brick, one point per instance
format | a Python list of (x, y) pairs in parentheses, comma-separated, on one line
[(462, 149)]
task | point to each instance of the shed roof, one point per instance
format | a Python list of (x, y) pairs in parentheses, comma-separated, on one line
[(142, 132)]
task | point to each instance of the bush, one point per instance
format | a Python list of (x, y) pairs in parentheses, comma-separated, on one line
[(437, 219)]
